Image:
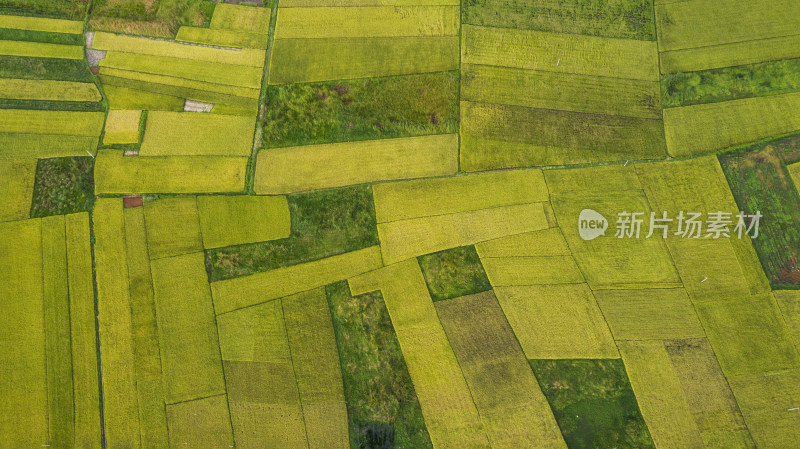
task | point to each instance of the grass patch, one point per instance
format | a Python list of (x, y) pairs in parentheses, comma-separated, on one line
[(158, 18), (63, 186), (48, 105), (731, 83), (324, 223), (453, 273), (382, 405), (760, 181), (45, 69), (627, 19), (327, 112), (593, 403), (8, 34), (68, 9)]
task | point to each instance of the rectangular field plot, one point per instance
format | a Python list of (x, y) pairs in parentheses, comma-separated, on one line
[(426, 197), (794, 171), (561, 91), (234, 17), (547, 242), (404, 239), (143, 46), (41, 24), (749, 335), (115, 173), (649, 314), (497, 136), (197, 134), (66, 123), (510, 271), (557, 321), (730, 55), (354, 3), (789, 303), (692, 130), (22, 89), (236, 220), (17, 177), (512, 407), (308, 60), (448, 407), (201, 422), (631, 19), (40, 50), (122, 127), (246, 291), (189, 347), (354, 21), (173, 227), (295, 169), (769, 404), (222, 38), (560, 53), (315, 358)]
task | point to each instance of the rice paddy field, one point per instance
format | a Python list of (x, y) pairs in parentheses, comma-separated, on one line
[(412, 224)]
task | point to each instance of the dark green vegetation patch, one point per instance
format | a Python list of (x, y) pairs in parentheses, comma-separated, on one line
[(626, 19), (454, 273), (45, 69), (382, 405), (40, 36), (731, 83), (760, 181), (593, 403), (324, 223), (63, 186), (67, 9), (375, 108)]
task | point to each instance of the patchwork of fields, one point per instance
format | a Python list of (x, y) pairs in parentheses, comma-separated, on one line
[(329, 224)]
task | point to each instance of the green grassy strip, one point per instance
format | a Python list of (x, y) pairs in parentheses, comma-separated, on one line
[(381, 400), (120, 409), (593, 403), (7, 34), (22, 358), (125, 98), (67, 9), (147, 359), (175, 87), (310, 60), (48, 105), (45, 69), (323, 224), (40, 50), (759, 180), (43, 25), (58, 350), (625, 19), (84, 334), (731, 83), (374, 108)]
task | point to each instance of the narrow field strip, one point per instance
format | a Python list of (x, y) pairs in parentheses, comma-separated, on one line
[(85, 378), (561, 91), (729, 55), (506, 393), (40, 50), (297, 169), (22, 89), (697, 129), (169, 49), (317, 368), (547, 242), (22, 348), (234, 17), (42, 24), (309, 60), (354, 21), (115, 173), (404, 239), (356, 3), (121, 412), (146, 345), (246, 291), (544, 270), (560, 53), (426, 197), (223, 38), (20, 121), (448, 407), (557, 321), (197, 134)]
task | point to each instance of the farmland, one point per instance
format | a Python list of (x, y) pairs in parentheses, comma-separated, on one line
[(331, 224)]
